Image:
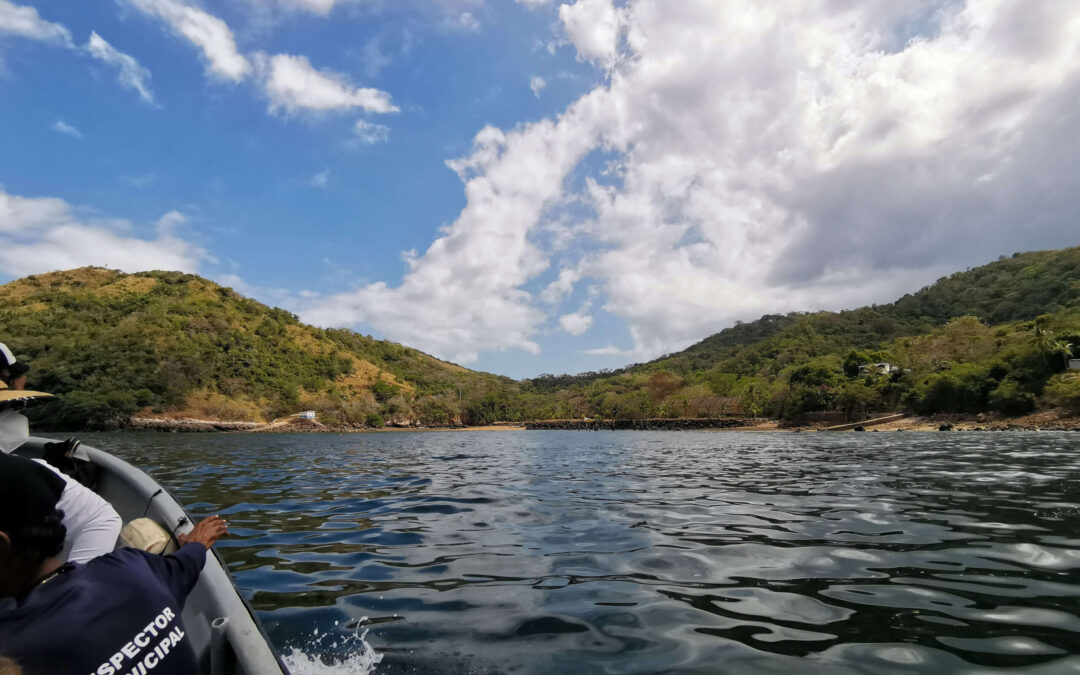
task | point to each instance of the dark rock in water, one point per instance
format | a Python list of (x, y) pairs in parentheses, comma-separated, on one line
[(945, 426), (859, 428)]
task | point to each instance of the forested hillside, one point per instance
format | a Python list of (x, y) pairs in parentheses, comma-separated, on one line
[(991, 338), (113, 345)]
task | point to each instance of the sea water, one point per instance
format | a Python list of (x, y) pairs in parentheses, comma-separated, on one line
[(645, 552)]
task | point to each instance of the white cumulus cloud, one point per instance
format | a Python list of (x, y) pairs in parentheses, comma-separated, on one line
[(131, 75), (594, 27), (370, 133), (754, 158), (25, 22), (62, 127), (466, 21), (575, 323), (293, 85), (537, 84), (43, 234), (467, 284), (206, 31), (320, 7)]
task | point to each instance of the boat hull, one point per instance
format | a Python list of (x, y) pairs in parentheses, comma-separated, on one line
[(224, 631)]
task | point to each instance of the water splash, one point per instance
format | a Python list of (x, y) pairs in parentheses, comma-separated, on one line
[(332, 653)]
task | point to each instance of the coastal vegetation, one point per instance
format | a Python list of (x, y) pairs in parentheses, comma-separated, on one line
[(114, 345), (996, 338)]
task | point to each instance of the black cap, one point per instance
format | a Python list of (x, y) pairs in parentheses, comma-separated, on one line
[(28, 492), (12, 364)]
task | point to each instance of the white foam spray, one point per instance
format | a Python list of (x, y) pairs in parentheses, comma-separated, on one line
[(352, 655)]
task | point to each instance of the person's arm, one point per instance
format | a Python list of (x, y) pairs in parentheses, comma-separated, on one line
[(97, 536), (180, 570), (93, 525)]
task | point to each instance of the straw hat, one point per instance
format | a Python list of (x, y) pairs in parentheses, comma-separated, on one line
[(19, 398)]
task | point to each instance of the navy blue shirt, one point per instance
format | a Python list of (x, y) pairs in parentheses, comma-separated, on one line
[(115, 615)]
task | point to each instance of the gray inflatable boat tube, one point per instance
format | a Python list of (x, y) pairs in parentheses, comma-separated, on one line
[(224, 631)]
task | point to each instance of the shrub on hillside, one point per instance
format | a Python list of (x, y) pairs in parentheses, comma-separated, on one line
[(437, 410), (1063, 391), (1010, 398), (857, 397), (962, 388)]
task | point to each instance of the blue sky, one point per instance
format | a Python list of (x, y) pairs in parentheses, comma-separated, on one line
[(531, 186)]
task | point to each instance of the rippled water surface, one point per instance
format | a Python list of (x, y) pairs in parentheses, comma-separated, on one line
[(641, 552)]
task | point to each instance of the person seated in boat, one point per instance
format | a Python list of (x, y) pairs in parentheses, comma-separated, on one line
[(118, 613), (64, 455), (93, 526), (12, 371)]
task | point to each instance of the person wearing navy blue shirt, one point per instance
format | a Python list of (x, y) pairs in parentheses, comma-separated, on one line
[(115, 615)]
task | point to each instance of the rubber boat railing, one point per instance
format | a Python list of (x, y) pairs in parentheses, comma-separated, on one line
[(224, 631)]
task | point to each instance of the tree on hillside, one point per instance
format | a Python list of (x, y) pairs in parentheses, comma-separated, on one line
[(1047, 344), (1063, 391), (754, 394), (857, 398), (966, 339), (661, 385), (723, 384), (688, 399), (962, 388), (854, 359)]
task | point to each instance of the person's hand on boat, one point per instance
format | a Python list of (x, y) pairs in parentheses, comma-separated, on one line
[(206, 532)]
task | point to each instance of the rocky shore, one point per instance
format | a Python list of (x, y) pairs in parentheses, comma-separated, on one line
[(1041, 421), (1045, 420), (659, 424), (189, 425), (290, 425)]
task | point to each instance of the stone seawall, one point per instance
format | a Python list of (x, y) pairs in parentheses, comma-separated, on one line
[(640, 425), (166, 424)]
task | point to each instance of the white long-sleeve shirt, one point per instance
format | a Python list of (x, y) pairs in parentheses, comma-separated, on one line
[(93, 526)]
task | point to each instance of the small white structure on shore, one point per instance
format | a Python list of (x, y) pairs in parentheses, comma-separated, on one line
[(1074, 364), (883, 368), (306, 415)]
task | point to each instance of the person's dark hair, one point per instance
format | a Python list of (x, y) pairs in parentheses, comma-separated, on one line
[(37, 543)]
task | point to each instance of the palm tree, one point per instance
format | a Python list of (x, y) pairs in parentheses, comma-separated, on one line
[(1045, 342)]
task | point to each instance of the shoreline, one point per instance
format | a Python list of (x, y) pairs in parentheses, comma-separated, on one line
[(295, 425), (1039, 421)]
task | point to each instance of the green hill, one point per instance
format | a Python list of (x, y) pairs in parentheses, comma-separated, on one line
[(114, 345), (165, 343), (785, 365), (1019, 288)]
